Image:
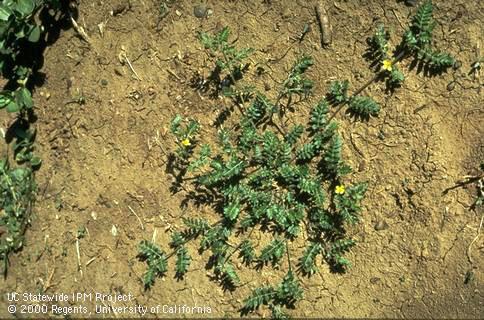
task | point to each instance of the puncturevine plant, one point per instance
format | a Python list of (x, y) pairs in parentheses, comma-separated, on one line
[(288, 182), (20, 31)]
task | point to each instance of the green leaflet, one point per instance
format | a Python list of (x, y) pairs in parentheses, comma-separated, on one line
[(273, 252), (156, 261), (363, 107), (183, 261), (307, 262)]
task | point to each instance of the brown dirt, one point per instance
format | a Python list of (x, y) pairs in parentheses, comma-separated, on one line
[(105, 160)]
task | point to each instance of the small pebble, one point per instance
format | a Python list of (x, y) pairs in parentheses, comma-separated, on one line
[(200, 11), (104, 82), (457, 65), (451, 86), (267, 86), (411, 2), (178, 13), (118, 71), (381, 225)]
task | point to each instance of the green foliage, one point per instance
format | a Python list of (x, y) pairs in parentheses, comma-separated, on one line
[(156, 260), (18, 30), (378, 45), (336, 251), (273, 252), (23, 147), (227, 274), (195, 227), (423, 24), (284, 179), (185, 138), (20, 34), (418, 40), (17, 193), (332, 156), (307, 262), (363, 107), (318, 117), (227, 58), (287, 293), (348, 204), (296, 82), (183, 260), (338, 91), (247, 252), (396, 77), (259, 297), (218, 43), (271, 179)]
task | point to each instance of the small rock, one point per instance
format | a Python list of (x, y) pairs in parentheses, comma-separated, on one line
[(104, 82), (374, 280), (410, 3), (200, 11), (457, 64), (451, 86), (114, 230), (118, 71), (267, 86), (381, 225), (277, 27), (178, 13)]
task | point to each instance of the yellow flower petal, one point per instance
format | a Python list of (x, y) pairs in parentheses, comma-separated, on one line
[(340, 189), (387, 65), (186, 142)]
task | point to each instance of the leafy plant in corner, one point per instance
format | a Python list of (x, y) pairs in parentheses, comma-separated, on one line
[(17, 193), (20, 31)]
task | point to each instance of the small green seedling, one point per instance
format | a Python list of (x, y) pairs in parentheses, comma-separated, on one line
[(229, 65)]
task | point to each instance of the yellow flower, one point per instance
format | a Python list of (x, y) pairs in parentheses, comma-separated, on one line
[(387, 65), (186, 142), (340, 189)]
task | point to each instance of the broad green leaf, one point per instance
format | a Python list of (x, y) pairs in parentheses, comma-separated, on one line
[(5, 12), (25, 7), (12, 106), (34, 35), (24, 98), (35, 161), (232, 211), (4, 100)]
